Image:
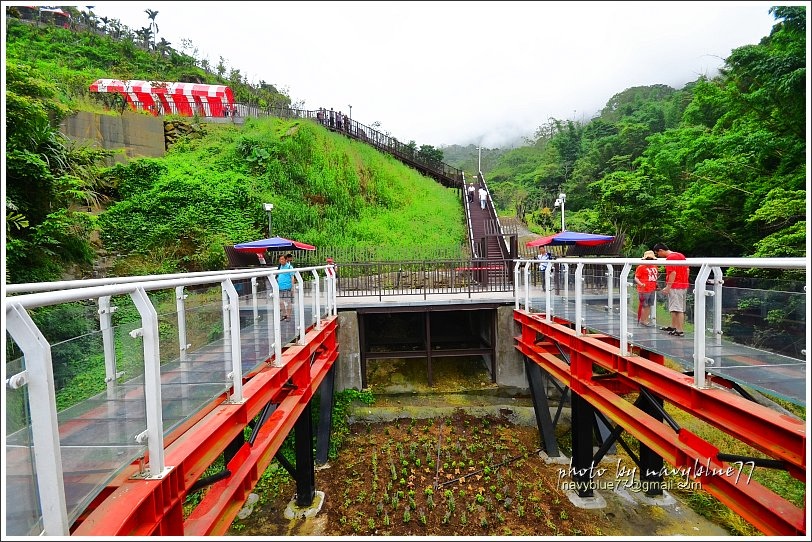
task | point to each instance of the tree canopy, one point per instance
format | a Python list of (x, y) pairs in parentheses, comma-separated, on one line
[(717, 168)]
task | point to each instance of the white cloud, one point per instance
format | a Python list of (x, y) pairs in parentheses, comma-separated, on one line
[(442, 73)]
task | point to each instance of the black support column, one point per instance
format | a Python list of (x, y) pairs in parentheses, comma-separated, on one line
[(583, 415), (325, 416), (651, 464), (305, 471)]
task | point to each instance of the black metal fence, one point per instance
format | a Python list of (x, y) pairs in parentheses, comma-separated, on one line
[(460, 276)]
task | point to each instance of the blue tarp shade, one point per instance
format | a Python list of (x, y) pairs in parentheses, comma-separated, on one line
[(274, 243), (572, 238)]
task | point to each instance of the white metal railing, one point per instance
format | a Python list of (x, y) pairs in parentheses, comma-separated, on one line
[(36, 379), (557, 298)]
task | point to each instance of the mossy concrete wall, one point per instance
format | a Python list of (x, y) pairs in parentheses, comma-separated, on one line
[(510, 372), (348, 368), (133, 134)]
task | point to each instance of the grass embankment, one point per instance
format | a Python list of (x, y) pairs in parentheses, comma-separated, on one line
[(176, 213)]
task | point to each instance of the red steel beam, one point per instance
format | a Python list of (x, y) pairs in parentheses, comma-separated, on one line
[(777, 435), (690, 455), (155, 507)]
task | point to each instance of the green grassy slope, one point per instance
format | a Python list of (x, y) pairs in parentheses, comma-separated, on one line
[(178, 212)]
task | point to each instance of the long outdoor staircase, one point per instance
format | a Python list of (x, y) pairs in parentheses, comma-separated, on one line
[(492, 247)]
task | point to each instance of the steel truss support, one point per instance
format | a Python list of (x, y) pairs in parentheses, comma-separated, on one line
[(155, 507), (541, 406), (691, 457)]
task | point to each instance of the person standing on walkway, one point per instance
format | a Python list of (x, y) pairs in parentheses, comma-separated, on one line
[(471, 191), (676, 288), (483, 197), (645, 276), (285, 282), (543, 256)]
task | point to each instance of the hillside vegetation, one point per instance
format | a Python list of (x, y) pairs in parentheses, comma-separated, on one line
[(326, 190), (177, 212), (717, 168)]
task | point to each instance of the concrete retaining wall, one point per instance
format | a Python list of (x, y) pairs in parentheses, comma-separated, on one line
[(348, 368), (133, 134), (510, 371)]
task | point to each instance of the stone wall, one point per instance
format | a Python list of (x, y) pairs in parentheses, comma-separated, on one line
[(133, 134)]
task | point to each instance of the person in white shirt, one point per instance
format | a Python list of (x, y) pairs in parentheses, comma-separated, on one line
[(543, 256), (483, 197), (471, 190)]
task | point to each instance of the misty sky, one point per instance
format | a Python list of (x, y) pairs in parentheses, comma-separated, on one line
[(444, 73)]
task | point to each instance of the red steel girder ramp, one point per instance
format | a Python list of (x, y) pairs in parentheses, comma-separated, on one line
[(778, 436), (135, 507)]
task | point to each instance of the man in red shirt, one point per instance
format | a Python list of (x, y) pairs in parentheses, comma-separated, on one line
[(676, 288)]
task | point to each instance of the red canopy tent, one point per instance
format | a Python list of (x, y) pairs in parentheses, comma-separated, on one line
[(572, 238), (272, 243), (179, 98)]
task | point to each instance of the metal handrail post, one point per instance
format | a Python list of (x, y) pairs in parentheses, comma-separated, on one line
[(273, 294), (316, 300), (699, 326), (718, 282), (624, 308), (224, 311), (180, 307), (332, 290), (610, 287), (300, 303), (255, 298), (106, 311), (516, 267), (579, 299), (236, 342), (39, 377), (152, 384), (565, 276), (548, 295)]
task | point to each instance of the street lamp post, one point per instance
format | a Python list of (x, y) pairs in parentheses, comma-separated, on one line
[(350, 111), (268, 209), (560, 203), (479, 161)]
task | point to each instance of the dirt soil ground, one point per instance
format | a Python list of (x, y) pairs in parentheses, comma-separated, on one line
[(459, 458), (460, 475)]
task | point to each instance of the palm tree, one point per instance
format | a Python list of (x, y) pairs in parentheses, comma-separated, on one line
[(144, 34), (163, 47), (151, 13), (115, 28)]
